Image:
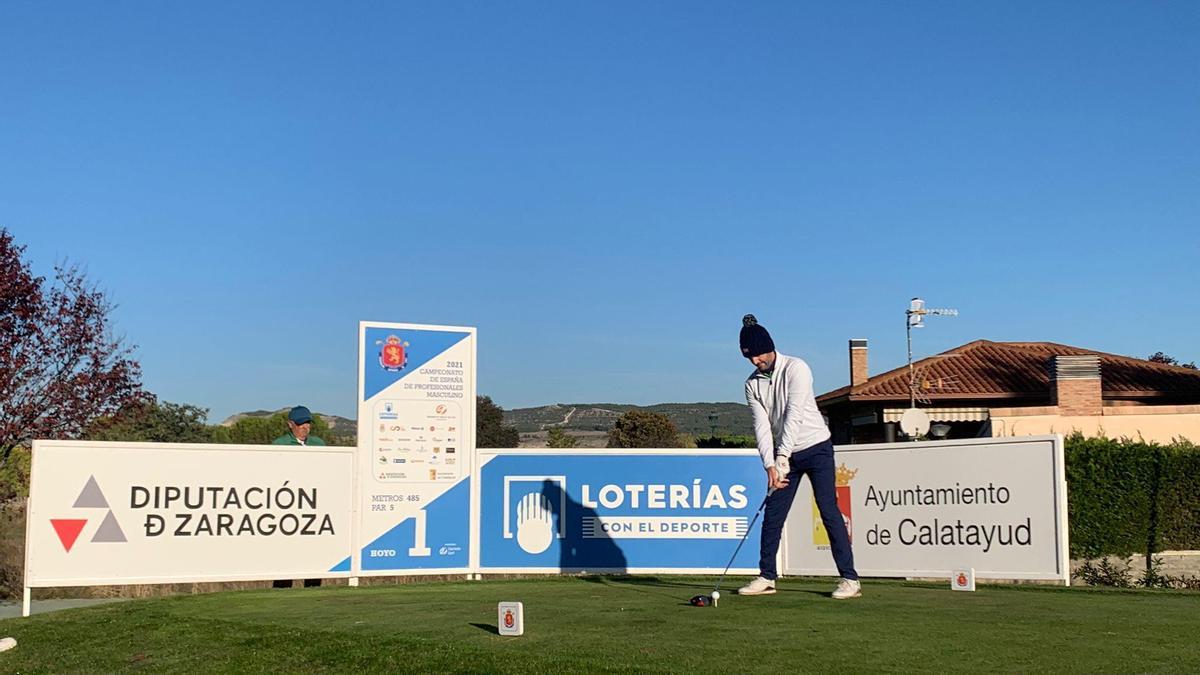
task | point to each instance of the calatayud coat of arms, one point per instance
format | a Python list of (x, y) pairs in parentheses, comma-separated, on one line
[(393, 357), (843, 477)]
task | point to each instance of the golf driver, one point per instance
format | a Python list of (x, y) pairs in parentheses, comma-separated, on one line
[(715, 596)]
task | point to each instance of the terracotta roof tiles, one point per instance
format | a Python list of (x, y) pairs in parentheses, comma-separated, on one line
[(986, 369)]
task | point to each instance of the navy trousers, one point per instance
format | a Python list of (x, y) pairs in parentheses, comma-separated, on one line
[(817, 463)]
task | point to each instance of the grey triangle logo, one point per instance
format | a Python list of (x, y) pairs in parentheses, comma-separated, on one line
[(91, 497), (109, 531)]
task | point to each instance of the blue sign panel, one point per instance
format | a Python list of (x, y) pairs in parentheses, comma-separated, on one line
[(617, 512)]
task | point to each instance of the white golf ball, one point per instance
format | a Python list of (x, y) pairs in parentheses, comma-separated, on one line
[(716, 595)]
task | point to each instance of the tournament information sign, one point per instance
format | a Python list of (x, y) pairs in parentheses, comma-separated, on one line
[(416, 431)]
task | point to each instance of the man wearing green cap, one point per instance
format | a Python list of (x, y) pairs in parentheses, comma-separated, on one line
[(299, 425)]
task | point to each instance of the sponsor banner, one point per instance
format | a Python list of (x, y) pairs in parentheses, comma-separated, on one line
[(925, 509), (115, 513), (640, 510), (667, 527), (416, 431)]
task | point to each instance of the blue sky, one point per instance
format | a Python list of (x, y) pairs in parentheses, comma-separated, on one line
[(603, 189)]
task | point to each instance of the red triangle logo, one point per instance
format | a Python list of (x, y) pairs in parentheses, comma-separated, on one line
[(68, 530)]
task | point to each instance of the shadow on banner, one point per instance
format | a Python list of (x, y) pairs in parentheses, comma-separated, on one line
[(578, 553)]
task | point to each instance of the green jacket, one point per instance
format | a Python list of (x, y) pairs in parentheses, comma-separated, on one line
[(289, 439)]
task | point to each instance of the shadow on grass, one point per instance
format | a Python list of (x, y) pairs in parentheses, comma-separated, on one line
[(650, 582), (487, 627), (823, 594), (647, 585), (643, 584)]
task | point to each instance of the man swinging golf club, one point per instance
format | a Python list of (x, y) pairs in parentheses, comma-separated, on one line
[(793, 441)]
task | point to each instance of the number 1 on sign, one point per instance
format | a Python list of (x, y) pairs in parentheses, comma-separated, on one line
[(418, 548)]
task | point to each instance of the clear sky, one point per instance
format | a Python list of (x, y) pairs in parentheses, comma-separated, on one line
[(604, 188)]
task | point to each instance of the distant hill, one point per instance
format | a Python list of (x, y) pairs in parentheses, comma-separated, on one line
[(690, 418), (339, 425)]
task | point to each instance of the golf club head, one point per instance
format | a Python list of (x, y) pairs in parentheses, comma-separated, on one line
[(700, 601)]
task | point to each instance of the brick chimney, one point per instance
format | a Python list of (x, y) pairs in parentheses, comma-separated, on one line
[(858, 362), (1075, 383)]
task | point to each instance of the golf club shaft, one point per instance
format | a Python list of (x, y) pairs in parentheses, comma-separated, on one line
[(743, 541)]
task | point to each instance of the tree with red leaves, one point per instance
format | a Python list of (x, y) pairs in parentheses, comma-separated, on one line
[(60, 365)]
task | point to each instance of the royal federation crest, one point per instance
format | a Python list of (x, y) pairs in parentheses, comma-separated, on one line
[(393, 357)]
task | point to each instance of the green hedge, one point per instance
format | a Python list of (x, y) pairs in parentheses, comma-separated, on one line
[(1126, 497)]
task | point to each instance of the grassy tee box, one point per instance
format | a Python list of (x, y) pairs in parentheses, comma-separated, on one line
[(619, 625)]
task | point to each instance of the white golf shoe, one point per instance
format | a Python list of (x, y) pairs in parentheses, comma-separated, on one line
[(759, 586), (847, 588)]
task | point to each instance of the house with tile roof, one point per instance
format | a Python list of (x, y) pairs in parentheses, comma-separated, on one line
[(987, 388)]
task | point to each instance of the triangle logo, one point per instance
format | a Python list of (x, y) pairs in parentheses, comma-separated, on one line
[(91, 497), (109, 532), (68, 530)]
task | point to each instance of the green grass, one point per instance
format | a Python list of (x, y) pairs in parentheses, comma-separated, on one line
[(620, 625)]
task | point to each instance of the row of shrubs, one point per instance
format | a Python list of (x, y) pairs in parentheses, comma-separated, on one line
[(1130, 497), (1109, 572)]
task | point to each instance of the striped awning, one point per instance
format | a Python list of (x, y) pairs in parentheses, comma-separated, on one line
[(941, 414)]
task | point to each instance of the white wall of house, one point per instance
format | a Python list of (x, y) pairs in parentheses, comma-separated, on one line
[(1161, 424)]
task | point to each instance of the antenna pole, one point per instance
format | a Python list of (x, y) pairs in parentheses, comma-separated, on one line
[(917, 308), (912, 382)]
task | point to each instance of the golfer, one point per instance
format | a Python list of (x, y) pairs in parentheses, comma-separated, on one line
[(793, 441)]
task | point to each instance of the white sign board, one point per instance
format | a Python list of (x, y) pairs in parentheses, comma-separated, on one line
[(416, 442), (144, 513), (924, 509)]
